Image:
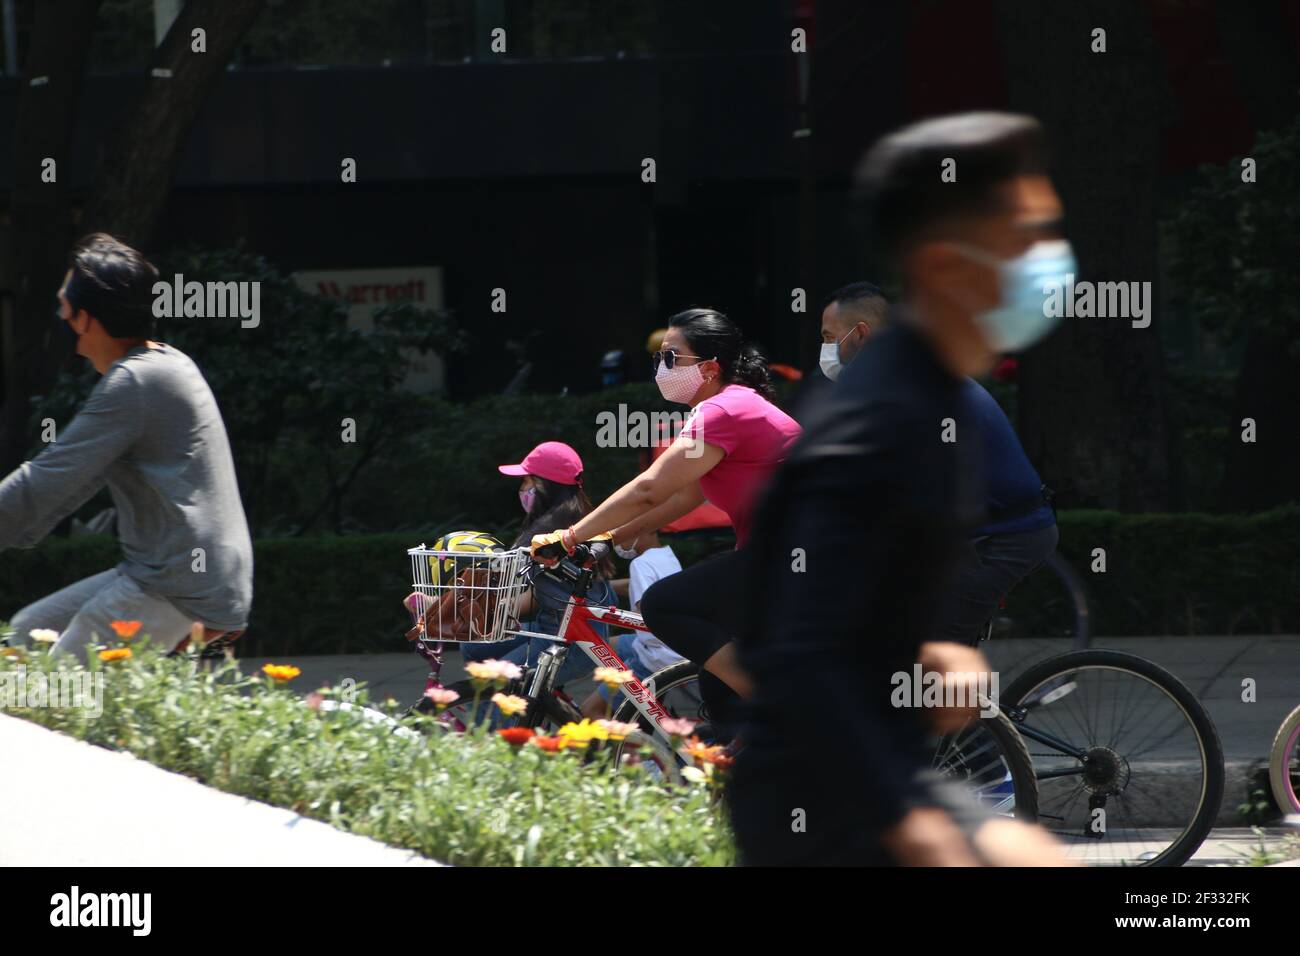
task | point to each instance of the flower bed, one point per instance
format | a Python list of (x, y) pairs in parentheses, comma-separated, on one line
[(466, 799)]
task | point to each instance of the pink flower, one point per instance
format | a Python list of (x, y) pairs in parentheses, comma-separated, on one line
[(442, 696), (678, 726)]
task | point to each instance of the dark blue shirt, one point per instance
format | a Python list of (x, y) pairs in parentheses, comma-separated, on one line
[(1011, 480)]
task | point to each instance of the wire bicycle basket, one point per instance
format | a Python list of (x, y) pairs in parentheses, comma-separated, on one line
[(466, 597)]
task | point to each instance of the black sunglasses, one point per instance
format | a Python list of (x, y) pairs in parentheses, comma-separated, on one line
[(669, 357)]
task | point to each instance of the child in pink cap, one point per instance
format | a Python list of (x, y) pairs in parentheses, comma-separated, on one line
[(551, 495)]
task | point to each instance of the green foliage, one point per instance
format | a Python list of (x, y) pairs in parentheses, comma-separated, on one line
[(1165, 574), (1235, 244), (1184, 573), (466, 799), (1257, 809), (1281, 851), (286, 386)]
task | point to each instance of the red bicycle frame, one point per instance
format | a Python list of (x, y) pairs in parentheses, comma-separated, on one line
[(575, 629)]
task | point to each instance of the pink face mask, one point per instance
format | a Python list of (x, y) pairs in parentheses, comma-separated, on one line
[(679, 383), (527, 497)]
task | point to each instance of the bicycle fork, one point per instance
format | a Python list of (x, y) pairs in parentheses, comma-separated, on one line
[(542, 681)]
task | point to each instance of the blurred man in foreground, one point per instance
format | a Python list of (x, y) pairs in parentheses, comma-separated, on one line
[(857, 534)]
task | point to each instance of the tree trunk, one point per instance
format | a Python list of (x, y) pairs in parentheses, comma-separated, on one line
[(36, 247), (135, 176), (1092, 397), (132, 181)]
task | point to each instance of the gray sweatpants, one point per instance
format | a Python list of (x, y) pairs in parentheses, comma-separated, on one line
[(83, 613)]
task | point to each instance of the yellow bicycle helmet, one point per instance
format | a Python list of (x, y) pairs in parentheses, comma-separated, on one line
[(443, 570)]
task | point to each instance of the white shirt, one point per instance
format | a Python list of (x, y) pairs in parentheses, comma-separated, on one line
[(647, 568)]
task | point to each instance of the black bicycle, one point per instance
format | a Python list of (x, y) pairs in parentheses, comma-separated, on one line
[(1109, 751)]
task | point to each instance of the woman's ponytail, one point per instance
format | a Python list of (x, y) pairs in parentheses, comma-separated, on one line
[(751, 369)]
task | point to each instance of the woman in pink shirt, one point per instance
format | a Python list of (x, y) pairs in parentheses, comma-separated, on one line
[(731, 443)]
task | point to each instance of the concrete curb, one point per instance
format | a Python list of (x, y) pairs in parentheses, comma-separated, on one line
[(68, 803)]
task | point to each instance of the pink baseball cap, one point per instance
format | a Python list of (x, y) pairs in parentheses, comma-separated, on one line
[(552, 460)]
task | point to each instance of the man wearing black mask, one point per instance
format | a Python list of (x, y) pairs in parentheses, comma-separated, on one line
[(150, 432)]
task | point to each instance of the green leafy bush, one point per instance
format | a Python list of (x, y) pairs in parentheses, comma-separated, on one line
[(1165, 574), (466, 799)]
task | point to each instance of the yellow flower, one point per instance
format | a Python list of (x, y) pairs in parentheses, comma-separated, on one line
[(510, 704), (280, 673), (612, 677), (115, 654), (17, 652), (579, 735)]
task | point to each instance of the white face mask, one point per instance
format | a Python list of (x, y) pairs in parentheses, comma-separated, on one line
[(628, 553), (830, 358), (679, 383)]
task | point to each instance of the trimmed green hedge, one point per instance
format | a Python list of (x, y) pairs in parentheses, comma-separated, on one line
[(1165, 574)]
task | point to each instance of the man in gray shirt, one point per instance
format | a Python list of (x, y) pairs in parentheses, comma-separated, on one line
[(151, 431)]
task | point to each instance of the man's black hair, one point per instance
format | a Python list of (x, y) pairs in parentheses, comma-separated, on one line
[(863, 298), (114, 284), (900, 188)]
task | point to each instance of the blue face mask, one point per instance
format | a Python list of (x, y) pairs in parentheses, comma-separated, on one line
[(1028, 282)]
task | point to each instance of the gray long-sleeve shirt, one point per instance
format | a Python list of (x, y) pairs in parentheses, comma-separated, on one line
[(151, 431)]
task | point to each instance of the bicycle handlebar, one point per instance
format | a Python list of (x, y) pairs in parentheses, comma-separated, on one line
[(576, 569)]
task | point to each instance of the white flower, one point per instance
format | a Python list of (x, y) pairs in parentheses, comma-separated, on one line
[(44, 635), (493, 670), (694, 775)]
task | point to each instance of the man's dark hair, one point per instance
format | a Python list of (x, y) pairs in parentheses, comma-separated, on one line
[(899, 185), (114, 284), (861, 298)]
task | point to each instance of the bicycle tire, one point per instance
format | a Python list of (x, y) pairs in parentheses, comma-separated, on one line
[(660, 682), (1074, 586), (1000, 728), (1019, 764), (1286, 747), (1207, 736)]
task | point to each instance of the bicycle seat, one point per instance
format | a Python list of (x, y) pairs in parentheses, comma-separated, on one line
[(214, 641)]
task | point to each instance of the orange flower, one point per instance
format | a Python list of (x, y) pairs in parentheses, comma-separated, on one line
[(116, 654), (280, 673), (699, 750), (549, 744), (516, 736), (126, 629)]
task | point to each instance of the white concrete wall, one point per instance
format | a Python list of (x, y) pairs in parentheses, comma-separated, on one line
[(67, 803)]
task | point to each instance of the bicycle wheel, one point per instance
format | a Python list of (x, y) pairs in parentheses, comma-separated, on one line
[(989, 758), (1050, 603), (676, 687), (1284, 764), (1115, 733)]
